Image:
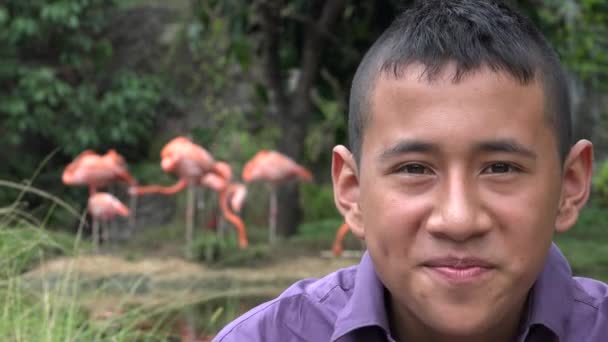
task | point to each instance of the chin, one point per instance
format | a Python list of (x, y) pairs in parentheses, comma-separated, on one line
[(456, 324)]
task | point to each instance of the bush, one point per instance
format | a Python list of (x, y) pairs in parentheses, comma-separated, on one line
[(322, 230), (224, 251), (600, 185), (60, 91), (592, 223), (318, 202)]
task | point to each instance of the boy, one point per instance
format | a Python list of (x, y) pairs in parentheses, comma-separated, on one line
[(460, 171)]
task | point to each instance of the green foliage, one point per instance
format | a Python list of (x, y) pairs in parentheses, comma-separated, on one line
[(600, 185), (212, 249), (591, 224), (221, 49), (123, 114), (219, 313), (229, 140), (25, 317), (579, 32), (25, 246), (150, 172), (209, 247), (318, 202), (585, 244), (53, 312), (49, 307), (214, 35), (322, 230), (24, 241), (58, 90), (322, 133)]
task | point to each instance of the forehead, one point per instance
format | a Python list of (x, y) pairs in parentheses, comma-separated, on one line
[(481, 105), (412, 83)]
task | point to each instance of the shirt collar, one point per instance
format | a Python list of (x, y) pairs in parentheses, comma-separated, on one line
[(552, 296), (366, 305)]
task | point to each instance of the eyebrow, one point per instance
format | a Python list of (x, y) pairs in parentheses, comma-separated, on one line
[(407, 146), (505, 145), (419, 146)]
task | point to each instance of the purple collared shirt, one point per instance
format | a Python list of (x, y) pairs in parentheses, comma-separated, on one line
[(348, 305)]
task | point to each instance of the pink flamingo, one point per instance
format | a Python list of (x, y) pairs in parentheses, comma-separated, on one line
[(273, 168), (103, 207), (96, 171), (231, 197), (99, 171), (188, 161)]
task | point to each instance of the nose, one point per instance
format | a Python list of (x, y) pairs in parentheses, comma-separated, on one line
[(458, 215)]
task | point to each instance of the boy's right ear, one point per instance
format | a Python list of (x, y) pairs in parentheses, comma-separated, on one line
[(345, 180)]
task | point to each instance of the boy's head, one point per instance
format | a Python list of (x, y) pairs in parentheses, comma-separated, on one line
[(462, 167), (469, 34)]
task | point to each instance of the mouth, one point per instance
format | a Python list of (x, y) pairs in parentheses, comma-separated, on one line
[(459, 270)]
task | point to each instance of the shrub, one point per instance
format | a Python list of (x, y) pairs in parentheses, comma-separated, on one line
[(318, 202), (600, 185)]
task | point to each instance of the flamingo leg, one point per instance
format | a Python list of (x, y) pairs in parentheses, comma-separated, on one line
[(105, 230), (199, 201), (337, 246), (221, 226), (189, 217), (272, 234), (110, 224), (95, 234), (132, 214)]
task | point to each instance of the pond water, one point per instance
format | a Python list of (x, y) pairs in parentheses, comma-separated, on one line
[(201, 321)]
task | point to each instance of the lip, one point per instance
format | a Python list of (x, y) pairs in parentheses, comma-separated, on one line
[(459, 270)]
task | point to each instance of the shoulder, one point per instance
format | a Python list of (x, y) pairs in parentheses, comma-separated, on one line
[(306, 310), (590, 310), (590, 292)]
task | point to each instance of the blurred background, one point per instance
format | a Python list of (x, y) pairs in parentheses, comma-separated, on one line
[(235, 77)]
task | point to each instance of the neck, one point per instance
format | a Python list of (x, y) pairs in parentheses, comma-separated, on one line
[(406, 326)]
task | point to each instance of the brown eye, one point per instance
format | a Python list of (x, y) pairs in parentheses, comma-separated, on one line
[(500, 168), (416, 169)]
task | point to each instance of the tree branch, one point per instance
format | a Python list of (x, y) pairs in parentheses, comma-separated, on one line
[(333, 39), (312, 50), (271, 23)]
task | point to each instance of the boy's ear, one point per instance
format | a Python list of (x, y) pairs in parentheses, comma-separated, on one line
[(576, 184), (346, 188)]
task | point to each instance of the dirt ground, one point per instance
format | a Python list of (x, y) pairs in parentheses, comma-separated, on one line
[(174, 268)]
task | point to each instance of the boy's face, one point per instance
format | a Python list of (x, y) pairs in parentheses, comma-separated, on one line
[(458, 193)]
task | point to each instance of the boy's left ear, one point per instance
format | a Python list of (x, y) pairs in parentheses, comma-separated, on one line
[(576, 184), (346, 189)]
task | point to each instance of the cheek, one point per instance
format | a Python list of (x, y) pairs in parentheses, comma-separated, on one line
[(527, 212), (524, 224), (391, 220)]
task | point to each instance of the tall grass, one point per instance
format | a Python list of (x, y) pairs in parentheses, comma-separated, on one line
[(47, 308), (66, 306)]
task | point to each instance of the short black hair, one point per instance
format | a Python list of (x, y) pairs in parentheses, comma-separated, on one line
[(472, 34)]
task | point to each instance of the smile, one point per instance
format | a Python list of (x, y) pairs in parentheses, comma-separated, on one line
[(460, 275), (459, 270)]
